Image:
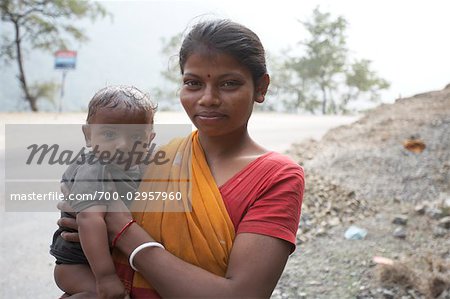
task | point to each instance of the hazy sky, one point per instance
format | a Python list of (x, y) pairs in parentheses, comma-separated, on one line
[(406, 40)]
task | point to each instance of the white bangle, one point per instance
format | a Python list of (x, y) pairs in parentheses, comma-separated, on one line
[(139, 248)]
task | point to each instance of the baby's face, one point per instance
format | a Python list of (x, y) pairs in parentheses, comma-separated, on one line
[(113, 131)]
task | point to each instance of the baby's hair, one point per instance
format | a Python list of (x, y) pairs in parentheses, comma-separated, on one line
[(113, 96)]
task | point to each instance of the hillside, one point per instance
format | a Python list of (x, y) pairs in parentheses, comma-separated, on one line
[(388, 173)]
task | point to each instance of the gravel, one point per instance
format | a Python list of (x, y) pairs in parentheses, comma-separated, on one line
[(366, 174), (368, 156)]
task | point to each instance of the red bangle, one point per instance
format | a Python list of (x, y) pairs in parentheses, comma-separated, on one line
[(122, 231)]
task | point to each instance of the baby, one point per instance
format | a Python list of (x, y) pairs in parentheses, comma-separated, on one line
[(119, 130)]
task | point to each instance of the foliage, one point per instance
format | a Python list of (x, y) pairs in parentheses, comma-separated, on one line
[(289, 90), (324, 77), (45, 90), (45, 25), (167, 97), (362, 81)]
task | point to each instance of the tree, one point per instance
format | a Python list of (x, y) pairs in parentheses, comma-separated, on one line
[(171, 73), (46, 25), (324, 75), (286, 91), (278, 94), (360, 81)]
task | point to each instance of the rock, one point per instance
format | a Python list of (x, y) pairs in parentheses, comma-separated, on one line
[(445, 199), (276, 293), (355, 233), (420, 209), (380, 260), (444, 222), (399, 233), (446, 203), (434, 213), (400, 219), (301, 239), (334, 221), (388, 294), (414, 145), (439, 232), (314, 283), (445, 294), (320, 232)]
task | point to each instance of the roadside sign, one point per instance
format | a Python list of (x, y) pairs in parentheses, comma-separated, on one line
[(65, 59)]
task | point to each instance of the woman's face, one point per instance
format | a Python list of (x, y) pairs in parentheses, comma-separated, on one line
[(218, 93)]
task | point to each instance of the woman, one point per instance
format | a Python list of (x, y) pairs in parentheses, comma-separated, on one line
[(246, 200)]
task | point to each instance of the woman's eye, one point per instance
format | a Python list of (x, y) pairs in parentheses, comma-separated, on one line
[(231, 84), (192, 83)]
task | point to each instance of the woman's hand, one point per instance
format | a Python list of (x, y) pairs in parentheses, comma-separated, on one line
[(68, 223)]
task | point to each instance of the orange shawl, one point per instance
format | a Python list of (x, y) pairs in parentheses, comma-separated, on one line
[(203, 235)]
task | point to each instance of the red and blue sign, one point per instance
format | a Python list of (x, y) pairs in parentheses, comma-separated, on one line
[(65, 59)]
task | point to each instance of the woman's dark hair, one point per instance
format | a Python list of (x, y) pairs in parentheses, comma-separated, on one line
[(225, 36), (113, 96)]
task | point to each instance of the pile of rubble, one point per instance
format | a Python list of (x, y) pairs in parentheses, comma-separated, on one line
[(439, 213), (325, 205), (397, 153), (371, 157)]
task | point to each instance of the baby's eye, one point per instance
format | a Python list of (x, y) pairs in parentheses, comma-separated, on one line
[(137, 137), (109, 134)]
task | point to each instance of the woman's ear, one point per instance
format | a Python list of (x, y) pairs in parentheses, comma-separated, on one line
[(261, 88), (151, 137), (87, 134)]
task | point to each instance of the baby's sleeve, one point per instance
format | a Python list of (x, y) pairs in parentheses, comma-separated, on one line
[(92, 185)]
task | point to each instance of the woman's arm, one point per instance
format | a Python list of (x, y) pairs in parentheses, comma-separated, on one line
[(255, 265)]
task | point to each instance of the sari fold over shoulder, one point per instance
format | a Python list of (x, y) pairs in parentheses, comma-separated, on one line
[(197, 228)]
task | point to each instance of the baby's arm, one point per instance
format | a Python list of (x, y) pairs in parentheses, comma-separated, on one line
[(94, 241)]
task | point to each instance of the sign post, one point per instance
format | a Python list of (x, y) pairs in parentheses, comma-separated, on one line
[(64, 60)]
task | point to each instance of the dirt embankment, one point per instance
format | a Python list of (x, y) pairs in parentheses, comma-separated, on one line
[(392, 164)]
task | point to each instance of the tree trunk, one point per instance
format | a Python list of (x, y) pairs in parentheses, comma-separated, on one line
[(23, 82), (333, 109), (324, 99)]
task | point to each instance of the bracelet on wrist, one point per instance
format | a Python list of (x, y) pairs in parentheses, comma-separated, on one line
[(139, 248), (120, 233)]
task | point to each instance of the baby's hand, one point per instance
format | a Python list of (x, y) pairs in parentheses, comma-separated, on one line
[(110, 287)]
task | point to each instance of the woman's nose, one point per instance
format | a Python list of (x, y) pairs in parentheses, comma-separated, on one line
[(210, 97)]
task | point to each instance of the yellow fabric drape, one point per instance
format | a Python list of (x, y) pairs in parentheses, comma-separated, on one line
[(203, 235)]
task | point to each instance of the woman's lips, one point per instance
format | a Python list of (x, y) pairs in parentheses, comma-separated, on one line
[(210, 115)]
